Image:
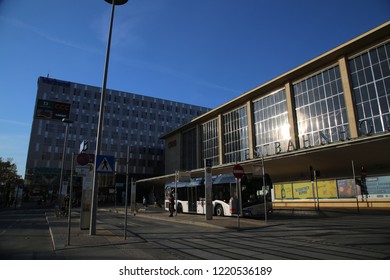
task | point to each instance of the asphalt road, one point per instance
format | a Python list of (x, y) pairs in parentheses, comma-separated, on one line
[(24, 235)]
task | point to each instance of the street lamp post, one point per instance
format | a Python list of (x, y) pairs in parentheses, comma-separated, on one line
[(92, 227), (67, 122)]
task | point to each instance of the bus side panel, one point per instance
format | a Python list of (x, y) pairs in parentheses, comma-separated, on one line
[(184, 206), (225, 206), (256, 210), (201, 207)]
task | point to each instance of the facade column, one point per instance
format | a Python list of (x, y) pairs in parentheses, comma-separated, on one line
[(220, 139), (198, 146), (251, 142), (353, 129), (292, 117)]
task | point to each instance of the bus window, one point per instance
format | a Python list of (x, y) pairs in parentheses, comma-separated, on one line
[(201, 193)]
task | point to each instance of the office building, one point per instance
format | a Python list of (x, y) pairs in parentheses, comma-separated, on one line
[(130, 121)]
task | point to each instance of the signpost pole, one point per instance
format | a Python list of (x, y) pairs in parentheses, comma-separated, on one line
[(208, 189)]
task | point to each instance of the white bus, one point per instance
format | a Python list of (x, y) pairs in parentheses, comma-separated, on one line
[(191, 195)]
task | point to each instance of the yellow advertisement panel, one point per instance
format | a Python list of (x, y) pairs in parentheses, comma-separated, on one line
[(303, 190), (327, 189), (283, 191)]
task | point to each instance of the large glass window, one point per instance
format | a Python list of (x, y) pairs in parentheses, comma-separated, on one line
[(272, 130), (370, 79), (320, 109), (235, 124), (210, 145)]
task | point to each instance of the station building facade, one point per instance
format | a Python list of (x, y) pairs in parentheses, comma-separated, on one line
[(328, 118), (130, 121)]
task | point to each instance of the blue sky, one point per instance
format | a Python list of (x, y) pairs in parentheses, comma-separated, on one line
[(203, 52)]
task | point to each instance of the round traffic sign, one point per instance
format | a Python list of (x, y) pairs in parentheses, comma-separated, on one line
[(83, 159), (238, 171)]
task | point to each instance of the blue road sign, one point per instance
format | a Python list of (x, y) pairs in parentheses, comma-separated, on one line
[(105, 164)]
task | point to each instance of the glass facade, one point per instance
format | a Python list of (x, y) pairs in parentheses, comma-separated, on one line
[(210, 144), (320, 109), (317, 113), (130, 120), (235, 135), (271, 126), (370, 81)]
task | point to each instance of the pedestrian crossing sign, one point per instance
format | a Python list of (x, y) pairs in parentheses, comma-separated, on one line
[(105, 164)]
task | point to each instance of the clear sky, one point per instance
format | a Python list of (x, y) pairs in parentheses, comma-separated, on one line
[(203, 52)]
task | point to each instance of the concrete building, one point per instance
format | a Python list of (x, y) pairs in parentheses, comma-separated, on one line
[(328, 114), (130, 120)]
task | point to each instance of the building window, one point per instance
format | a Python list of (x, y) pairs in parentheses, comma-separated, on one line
[(370, 79), (210, 144), (272, 129), (235, 124), (320, 109)]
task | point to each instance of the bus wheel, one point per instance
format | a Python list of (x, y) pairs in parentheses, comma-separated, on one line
[(219, 210)]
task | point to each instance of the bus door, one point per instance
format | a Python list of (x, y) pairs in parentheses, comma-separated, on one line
[(192, 199)]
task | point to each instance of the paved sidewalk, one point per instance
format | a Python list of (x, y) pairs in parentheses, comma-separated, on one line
[(109, 242), (200, 220), (59, 226)]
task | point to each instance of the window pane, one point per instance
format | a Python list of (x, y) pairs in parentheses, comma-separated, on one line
[(323, 109), (273, 127), (372, 90)]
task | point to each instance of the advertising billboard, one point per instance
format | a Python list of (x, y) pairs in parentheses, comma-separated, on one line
[(378, 185), (327, 189), (51, 110), (303, 190), (347, 188), (283, 191)]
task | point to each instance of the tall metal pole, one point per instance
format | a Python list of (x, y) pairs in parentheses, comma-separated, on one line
[(264, 190), (355, 187), (70, 199), (176, 179), (67, 122), (114, 183), (239, 204), (312, 186), (62, 165), (127, 188), (318, 198), (92, 227)]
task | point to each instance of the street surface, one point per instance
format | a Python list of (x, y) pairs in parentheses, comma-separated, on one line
[(24, 235), (33, 234)]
